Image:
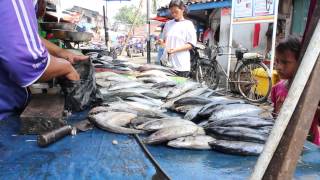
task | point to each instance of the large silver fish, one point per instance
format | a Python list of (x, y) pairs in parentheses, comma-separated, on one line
[(237, 147), (200, 142), (124, 85), (182, 88), (195, 92), (192, 100), (163, 123), (238, 133), (114, 122), (232, 110), (207, 110), (173, 132), (243, 121)]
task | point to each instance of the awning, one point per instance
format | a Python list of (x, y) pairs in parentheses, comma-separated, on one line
[(164, 12), (161, 19)]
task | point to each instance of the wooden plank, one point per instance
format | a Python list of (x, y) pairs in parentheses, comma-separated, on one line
[(289, 106), (44, 113), (284, 161)]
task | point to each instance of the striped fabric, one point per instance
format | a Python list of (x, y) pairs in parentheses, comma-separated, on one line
[(23, 57)]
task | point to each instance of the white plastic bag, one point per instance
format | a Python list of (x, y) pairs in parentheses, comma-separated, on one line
[(165, 60)]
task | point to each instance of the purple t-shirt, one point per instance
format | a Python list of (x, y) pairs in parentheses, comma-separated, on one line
[(23, 57)]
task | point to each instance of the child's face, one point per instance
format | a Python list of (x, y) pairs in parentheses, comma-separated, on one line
[(286, 64), (176, 12)]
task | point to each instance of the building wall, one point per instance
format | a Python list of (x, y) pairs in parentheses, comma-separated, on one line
[(300, 15)]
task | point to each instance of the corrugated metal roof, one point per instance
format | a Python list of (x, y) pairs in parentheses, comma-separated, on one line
[(190, 2)]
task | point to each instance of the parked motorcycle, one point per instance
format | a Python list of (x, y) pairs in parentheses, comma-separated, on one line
[(135, 48)]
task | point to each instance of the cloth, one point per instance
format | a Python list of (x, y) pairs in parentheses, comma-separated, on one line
[(23, 57), (177, 34), (256, 35), (278, 94)]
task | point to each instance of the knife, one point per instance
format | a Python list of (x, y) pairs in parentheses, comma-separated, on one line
[(57, 134)]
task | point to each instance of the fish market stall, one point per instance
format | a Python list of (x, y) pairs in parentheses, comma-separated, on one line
[(190, 131)]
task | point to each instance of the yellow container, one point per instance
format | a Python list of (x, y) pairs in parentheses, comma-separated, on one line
[(262, 80), (261, 77)]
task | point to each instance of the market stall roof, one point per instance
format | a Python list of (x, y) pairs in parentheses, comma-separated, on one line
[(159, 18), (196, 5)]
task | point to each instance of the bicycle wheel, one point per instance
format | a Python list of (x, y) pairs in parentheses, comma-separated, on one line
[(207, 74), (253, 81)]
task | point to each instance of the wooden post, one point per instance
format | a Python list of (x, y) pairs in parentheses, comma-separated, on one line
[(284, 160), (282, 150)]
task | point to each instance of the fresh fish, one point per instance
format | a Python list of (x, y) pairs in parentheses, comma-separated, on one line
[(193, 100), (140, 120), (156, 94), (192, 114), (139, 90), (173, 132), (114, 122), (98, 109), (182, 88), (122, 95), (147, 67), (146, 101), (123, 106), (163, 123), (200, 142), (154, 73), (195, 92), (207, 110), (184, 109), (164, 84), (238, 133), (232, 110), (153, 79), (104, 83), (237, 147), (124, 85), (118, 78), (243, 121)]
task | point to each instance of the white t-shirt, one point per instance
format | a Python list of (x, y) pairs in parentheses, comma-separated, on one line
[(177, 34)]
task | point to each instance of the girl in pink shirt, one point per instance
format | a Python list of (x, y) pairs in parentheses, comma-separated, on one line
[(287, 57)]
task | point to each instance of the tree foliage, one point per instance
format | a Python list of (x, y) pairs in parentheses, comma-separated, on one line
[(126, 15)]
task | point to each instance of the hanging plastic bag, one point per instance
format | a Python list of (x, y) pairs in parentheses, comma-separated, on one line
[(84, 93), (165, 60)]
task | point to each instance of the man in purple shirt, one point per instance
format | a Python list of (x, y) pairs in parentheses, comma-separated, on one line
[(26, 58)]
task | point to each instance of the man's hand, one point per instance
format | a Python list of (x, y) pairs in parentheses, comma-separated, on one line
[(62, 53), (71, 57), (171, 51), (59, 67)]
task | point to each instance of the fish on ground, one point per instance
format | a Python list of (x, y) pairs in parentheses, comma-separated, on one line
[(200, 142), (163, 123), (173, 132), (114, 122), (237, 147), (238, 133), (232, 110)]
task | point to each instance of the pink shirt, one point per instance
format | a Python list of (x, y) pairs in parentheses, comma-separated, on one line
[(278, 94)]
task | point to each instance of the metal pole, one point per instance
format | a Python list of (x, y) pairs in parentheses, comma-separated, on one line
[(106, 36), (274, 35), (230, 44), (148, 38)]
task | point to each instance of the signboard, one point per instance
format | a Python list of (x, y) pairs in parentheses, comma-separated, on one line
[(253, 10)]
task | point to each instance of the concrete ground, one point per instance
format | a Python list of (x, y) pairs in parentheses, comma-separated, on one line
[(139, 59)]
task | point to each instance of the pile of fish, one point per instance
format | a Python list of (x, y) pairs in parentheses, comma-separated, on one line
[(150, 100)]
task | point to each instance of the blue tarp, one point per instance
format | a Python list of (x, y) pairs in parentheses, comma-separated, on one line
[(208, 165), (88, 155), (199, 6), (91, 155)]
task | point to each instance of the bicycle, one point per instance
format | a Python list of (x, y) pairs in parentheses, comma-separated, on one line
[(245, 75)]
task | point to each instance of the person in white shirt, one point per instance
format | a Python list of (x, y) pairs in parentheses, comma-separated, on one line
[(179, 37)]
